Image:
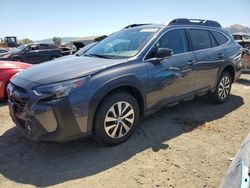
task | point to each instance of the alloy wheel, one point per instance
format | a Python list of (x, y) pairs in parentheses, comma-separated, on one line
[(119, 119), (224, 87)]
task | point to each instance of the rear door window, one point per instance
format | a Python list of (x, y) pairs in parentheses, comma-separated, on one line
[(200, 39), (221, 38), (43, 46)]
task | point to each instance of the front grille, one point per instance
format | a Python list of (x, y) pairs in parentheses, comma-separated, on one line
[(19, 105), (19, 97)]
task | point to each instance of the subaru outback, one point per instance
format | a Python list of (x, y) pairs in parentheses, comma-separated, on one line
[(130, 74)]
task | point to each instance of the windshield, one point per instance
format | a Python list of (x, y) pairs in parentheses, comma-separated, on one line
[(123, 44), (20, 48)]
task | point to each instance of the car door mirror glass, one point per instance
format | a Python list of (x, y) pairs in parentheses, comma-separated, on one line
[(164, 52), (160, 54)]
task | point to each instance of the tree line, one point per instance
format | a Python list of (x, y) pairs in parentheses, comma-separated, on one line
[(56, 40)]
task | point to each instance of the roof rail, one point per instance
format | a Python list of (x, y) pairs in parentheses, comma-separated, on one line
[(135, 25), (185, 21)]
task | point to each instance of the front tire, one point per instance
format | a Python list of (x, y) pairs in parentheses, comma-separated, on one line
[(18, 59), (116, 118), (223, 88)]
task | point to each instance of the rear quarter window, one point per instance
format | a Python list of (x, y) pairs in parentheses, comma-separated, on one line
[(221, 38), (213, 41)]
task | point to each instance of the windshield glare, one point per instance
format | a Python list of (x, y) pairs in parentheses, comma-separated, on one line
[(123, 44)]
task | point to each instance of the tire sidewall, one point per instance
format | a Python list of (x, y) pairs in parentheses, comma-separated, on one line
[(99, 130)]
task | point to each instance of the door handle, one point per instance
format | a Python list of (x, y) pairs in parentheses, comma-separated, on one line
[(220, 56), (174, 69), (191, 62)]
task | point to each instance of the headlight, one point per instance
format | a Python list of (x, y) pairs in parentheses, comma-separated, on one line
[(6, 56), (60, 89)]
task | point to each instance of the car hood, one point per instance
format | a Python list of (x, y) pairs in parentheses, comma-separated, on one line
[(67, 68), (13, 65), (4, 53), (11, 52)]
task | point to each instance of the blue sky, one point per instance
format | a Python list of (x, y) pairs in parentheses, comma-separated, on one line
[(40, 19)]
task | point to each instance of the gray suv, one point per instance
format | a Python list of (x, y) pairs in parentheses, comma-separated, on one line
[(132, 73)]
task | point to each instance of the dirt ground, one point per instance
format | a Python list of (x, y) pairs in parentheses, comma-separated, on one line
[(188, 145)]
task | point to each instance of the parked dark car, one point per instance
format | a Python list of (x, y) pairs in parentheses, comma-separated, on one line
[(85, 48), (132, 73), (32, 53)]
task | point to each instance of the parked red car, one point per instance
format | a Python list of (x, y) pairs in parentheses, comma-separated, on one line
[(7, 70)]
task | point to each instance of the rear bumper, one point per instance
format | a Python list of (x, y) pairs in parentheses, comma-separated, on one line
[(237, 75), (238, 69)]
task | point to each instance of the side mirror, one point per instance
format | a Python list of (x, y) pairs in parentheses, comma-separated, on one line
[(26, 50), (160, 54), (164, 53)]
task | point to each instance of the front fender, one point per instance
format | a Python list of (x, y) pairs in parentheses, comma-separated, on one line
[(130, 80)]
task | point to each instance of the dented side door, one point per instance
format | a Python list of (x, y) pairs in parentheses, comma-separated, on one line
[(170, 79)]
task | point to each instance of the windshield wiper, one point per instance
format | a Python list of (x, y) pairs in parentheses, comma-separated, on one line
[(97, 55)]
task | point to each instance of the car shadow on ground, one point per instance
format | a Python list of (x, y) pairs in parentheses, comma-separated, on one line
[(243, 81), (3, 103), (45, 164)]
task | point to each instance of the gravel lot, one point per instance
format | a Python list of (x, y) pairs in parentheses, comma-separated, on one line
[(188, 145)]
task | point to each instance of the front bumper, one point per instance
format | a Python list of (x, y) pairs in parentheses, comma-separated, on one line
[(54, 120)]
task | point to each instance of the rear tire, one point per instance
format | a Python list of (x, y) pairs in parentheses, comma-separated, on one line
[(53, 58), (223, 88), (116, 118), (17, 59)]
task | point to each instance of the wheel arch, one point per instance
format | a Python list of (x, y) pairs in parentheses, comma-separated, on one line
[(230, 69), (127, 84)]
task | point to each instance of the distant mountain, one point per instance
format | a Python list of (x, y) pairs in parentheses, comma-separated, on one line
[(236, 28), (64, 40)]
